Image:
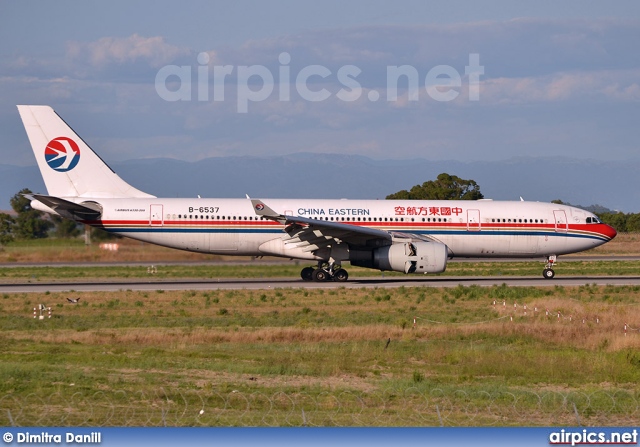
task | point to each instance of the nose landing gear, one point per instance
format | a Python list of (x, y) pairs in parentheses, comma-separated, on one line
[(548, 272)]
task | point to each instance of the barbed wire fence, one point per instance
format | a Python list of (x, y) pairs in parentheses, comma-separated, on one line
[(408, 407)]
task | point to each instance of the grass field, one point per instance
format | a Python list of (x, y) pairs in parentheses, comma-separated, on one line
[(323, 357)]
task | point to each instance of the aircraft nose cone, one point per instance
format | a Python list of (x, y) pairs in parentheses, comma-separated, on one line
[(609, 231)]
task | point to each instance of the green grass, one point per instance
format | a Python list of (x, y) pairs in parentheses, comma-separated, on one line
[(259, 357), (288, 270)]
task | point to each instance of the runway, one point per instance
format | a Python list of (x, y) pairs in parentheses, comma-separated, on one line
[(355, 283)]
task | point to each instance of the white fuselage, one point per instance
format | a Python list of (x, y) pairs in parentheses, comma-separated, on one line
[(469, 228)]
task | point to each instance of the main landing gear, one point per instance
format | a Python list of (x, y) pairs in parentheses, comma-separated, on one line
[(548, 272), (325, 272)]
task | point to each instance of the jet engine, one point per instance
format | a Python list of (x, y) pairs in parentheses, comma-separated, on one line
[(407, 257)]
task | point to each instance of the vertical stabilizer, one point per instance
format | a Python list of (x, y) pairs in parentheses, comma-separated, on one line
[(68, 165)]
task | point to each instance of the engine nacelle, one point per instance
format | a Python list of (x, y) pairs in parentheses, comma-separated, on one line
[(406, 257)]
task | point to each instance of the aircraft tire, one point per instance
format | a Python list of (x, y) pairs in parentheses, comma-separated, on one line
[(548, 273), (340, 275), (307, 274), (320, 275)]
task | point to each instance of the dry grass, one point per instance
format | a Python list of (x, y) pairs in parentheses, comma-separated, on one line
[(624, 244), (52, 251), (609, 336), (590, 318)]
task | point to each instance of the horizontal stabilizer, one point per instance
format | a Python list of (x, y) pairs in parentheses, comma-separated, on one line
[(70, 210)]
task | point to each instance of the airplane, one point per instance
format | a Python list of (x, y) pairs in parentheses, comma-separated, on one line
[(409, 236)]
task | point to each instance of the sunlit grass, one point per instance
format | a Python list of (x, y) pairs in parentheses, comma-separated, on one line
[(292, 270), (463, 347)]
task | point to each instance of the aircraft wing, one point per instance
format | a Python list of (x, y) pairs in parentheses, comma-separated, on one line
[(311, 234), (70, 210)]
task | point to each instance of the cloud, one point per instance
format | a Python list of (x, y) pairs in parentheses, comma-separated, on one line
[(557, 69), (122, 50), (108, 59), (519, 47), (581, 87)]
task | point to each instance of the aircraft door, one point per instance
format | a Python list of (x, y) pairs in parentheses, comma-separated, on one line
[(155, 216), (473, 220), (562, 225)]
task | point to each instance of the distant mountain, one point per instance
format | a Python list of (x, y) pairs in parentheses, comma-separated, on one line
[(614, 184)]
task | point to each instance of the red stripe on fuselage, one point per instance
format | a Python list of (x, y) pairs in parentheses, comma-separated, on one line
[(600, 229)]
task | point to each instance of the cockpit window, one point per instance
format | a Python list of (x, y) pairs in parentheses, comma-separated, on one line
[(594, 220)]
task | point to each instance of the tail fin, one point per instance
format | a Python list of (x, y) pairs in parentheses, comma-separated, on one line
[(68, 165)]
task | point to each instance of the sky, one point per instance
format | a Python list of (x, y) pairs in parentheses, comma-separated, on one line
[(436, 80)]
